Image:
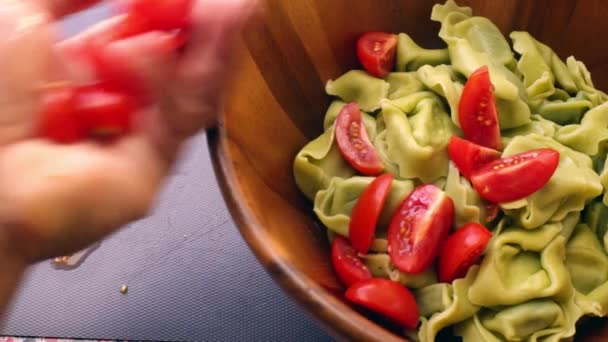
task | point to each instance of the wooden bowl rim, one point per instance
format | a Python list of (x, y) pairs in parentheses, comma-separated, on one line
[(337, 318)]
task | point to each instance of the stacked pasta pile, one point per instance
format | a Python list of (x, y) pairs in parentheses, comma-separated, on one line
[(546, 265)]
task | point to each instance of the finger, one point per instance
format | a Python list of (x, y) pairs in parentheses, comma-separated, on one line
[(61, 8), (194, 97)]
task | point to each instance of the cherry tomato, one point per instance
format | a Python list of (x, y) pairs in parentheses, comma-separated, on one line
[(114, 73), (149, 15), (418, 227), (469, 156), (461, 250), (366, 211), (388, 298), (354, 143), (376, 52), (517, 176), (58, 120), (347, 264), (477, 112), (103, 113)]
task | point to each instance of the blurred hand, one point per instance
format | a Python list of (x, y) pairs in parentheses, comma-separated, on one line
[(56, 199)]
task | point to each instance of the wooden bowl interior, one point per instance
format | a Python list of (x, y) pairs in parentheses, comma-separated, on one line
[(277, 104)]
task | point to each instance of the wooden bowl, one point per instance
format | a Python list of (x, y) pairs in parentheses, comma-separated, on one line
[(277, 105)]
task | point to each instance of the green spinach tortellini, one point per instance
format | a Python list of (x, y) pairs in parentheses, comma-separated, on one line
[(413, 134)]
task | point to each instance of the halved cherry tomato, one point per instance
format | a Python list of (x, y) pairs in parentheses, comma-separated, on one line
[(114, 73), (354, 143), (388, 298), (376, 52), (477, 110), (517, 176), (469, 156), (366, 211), (347, 264), (461, 250), (149, 15), (418, 227), (58, 120), (103, 113)]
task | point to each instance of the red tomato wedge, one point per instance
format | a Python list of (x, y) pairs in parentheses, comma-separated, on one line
[(366, 211), (102, 113), (149, 15), (418, 227), (517, 176), (116, 74), (387, 298), (376, 52), (353, 141), (58, 120), (469, 156), (461, 250), (477, 112), (347, 264)]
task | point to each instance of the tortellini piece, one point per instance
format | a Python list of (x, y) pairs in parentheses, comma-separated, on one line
[(573, 184), (468, 206), (537, 320), (457, 309), (360, 87), (413, 133), (410, 56), (402, 84), (537, 125), (317, 163), (587, 136), (443, 81), (333, 205), (584, 252), (523, 265)]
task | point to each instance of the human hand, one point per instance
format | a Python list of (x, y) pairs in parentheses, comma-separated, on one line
[(55, 198)]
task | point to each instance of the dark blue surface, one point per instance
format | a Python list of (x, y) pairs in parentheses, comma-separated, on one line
[(190, 274)]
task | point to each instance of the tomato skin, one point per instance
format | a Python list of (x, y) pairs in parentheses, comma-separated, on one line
[(376, 52), (366, 211), (468, 156), (461, 250), (418, 227), (149, 15), (477, 112), (517, 176), (103, 113), (347, 264), (388, 298), (58, 120), (353, 141)]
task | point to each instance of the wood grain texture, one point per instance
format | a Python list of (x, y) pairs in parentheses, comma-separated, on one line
[(277, 105)]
